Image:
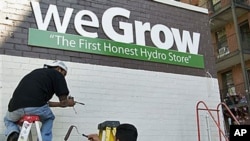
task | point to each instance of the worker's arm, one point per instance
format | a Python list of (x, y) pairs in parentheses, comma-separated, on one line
[(64, 101), (93, 137)]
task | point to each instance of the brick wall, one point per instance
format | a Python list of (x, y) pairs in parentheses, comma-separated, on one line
[(16, 17)]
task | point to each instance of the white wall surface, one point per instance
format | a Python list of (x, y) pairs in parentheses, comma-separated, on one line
[(161, 105)]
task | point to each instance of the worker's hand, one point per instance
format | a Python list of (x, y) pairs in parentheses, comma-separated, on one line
[(70, 102), (93, 137)]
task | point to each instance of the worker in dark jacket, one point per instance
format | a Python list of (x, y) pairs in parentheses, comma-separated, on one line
[(32, 97)]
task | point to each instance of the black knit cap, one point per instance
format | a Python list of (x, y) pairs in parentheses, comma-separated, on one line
[(126, 132)]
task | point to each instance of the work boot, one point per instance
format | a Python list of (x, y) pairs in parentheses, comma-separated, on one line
[(13, 136)]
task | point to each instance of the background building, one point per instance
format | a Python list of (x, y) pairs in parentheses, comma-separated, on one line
[(229, 22), (230, 30)]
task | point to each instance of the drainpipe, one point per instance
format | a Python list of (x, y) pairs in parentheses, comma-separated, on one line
[(242, 60)]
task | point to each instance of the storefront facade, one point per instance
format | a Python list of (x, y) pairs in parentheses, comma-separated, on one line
[(142, 62)]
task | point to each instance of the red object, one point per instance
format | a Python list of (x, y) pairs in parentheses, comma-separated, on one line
[(211, 115), (29, 118)]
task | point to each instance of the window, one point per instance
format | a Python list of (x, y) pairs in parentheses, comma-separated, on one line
[(245, 37), (216, 5), (222, 43), (228, 84)]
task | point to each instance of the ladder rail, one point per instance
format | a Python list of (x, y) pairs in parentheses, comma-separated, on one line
[(230, 113), (38, 130), (211, 115)]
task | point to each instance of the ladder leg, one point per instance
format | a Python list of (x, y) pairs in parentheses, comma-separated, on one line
[(25, 131), (113, 132), (38, 130), (100, 134), (30, 136), (110, 134), (107, 131)]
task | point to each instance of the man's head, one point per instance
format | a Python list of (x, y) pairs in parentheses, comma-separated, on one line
[(58, 65), (126, 132)]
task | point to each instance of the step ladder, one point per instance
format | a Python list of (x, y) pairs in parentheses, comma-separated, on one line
[(26, 123), (108, 128)]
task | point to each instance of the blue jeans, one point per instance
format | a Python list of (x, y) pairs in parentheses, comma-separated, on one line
[(45, 114)]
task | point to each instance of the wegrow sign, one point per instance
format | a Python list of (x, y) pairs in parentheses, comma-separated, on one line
[(120, 45)]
